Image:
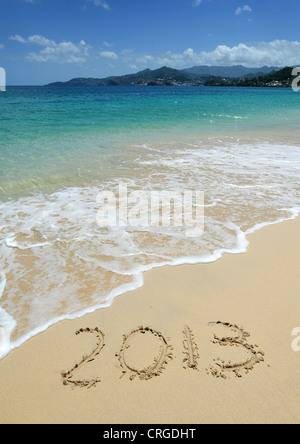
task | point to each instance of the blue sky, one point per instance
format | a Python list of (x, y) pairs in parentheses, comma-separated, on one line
[(47, 40)]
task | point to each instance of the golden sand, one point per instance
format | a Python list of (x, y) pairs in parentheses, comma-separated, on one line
[(196, 344)]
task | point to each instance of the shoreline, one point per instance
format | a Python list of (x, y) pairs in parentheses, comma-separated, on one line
[(138, 279), (185, 306)]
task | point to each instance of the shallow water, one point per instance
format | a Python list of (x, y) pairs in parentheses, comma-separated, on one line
[(61, 147)]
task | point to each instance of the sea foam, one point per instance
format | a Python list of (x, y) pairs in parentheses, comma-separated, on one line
[(57, 263)]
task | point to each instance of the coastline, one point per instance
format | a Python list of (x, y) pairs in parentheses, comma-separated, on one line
[(258, 291)]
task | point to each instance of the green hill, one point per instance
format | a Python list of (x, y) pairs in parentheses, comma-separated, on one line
[(163, 76), (281, 78), (237, 71), (168, 77)]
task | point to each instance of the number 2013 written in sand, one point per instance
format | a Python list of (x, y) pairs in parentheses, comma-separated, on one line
[(219, 368)]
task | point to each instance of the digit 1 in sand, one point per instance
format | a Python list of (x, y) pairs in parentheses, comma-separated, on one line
[(191, 351)]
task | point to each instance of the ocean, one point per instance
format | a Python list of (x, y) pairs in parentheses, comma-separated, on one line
[(62, 146)]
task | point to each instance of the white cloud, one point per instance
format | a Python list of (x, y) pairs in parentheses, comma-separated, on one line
[(102, 3), (109, 55), (41, 41), (127, 51), (277, 52), (17, 38), (242, 9), (63, 52), (189, 53), (274, 53), (1, 46), (147, 59), (105, 5), (107, 44)]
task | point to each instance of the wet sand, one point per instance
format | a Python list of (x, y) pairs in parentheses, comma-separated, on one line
[(196, 344)]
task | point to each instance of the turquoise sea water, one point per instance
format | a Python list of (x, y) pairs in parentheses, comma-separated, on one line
[(48, 134), (60, 147)]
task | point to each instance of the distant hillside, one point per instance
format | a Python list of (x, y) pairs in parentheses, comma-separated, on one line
[(163, 76), (283, 76), (168, 76), (280, 78), (237, 71)]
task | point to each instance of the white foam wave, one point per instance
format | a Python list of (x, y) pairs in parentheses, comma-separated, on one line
[(10, 242), (62, 264), (7, 323)]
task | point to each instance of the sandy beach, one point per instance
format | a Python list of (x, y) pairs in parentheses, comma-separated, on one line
[(175, 351), (149, 215)]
